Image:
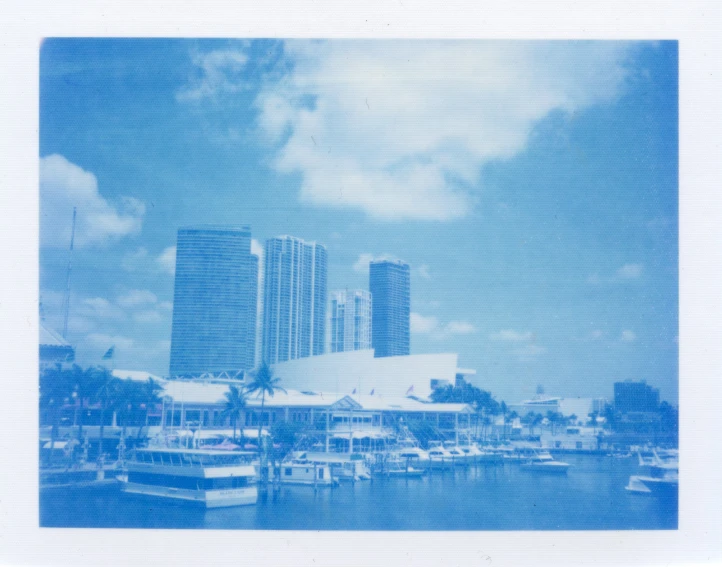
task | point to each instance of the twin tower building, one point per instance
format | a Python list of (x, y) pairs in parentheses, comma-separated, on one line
[(227, 319)]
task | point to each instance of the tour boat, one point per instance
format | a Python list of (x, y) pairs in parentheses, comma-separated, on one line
[(206, 477)]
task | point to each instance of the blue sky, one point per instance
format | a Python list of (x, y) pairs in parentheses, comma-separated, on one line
[(531, 186)]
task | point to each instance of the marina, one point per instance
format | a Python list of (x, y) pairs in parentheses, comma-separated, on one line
[(591, 495)]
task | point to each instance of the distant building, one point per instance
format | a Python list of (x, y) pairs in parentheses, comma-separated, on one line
[(294, 300), (390, 285), (632, 397), (214, 303), (53, 348), (581, 407), (350, 320)]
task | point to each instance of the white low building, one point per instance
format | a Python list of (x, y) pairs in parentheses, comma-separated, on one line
[(359, 371)]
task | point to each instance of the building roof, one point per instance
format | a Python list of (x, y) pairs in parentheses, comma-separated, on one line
[(49, 337)]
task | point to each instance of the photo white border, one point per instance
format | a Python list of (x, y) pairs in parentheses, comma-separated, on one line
[(696, 24)]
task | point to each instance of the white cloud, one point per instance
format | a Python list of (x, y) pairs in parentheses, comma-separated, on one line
[(166, 260), (216, 72), (423, 325), (630, 271), (136, 297), (147, 316), (530, 351), (597, 334), (402, 129), (167, 305), (459, 328), (257, 249), (430, 326), (628, 336), (512, 336), (64, 185), (423, 271), (99, 308), (362, 264), (134, 261)]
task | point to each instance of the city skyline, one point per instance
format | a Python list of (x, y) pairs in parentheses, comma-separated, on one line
[(543, 251)]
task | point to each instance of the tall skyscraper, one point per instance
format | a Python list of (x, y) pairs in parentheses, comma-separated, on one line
[(294, 300), (350, 320), (214, 302), (390, 285)]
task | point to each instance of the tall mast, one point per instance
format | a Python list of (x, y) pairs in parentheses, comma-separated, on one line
[(66, 299)]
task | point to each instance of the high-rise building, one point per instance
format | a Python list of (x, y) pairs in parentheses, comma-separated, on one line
[(214, 302), (350, 320), (635, 397), (390, 285), (294, 299)]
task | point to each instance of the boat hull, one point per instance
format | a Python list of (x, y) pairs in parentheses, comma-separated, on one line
[(653, 486), (204, 498)]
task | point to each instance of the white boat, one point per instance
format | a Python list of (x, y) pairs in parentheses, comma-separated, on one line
[(663, 478), (546, 466), (400, 467), (344, 466), (415, 455), (302, 471), (440, 457), (209, 478)]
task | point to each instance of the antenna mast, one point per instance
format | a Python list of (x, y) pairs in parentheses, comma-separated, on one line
[(66, 299)]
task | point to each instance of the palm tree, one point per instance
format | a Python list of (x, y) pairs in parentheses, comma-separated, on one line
[(149, 394), (105, 396), (265, 383), (56, 386), (234, 406)]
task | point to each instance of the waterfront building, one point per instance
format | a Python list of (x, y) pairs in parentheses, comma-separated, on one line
[(214, 302), (294, 300), (390, 285), (350, 320)]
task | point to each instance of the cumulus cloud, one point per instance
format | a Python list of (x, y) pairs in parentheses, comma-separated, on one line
[(459, 328), (147, 316), (630, 271), (215, 73), (423, 325), (257, 248), (135, 260), (99, 308), (628, 336), (431, 326), (136, 297), (513, 336), (423, 271), (402, 129), (166, 260), (64, 185), (362, 264)]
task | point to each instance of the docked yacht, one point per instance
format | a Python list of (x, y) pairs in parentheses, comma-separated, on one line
[(440, 457), (663, 478), (344, 466), (209, 478), (542, 461)]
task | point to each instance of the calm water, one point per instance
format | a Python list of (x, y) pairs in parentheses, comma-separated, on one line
[(590, 497)]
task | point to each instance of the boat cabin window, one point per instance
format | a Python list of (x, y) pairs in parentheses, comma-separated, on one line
[(288, 471)]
